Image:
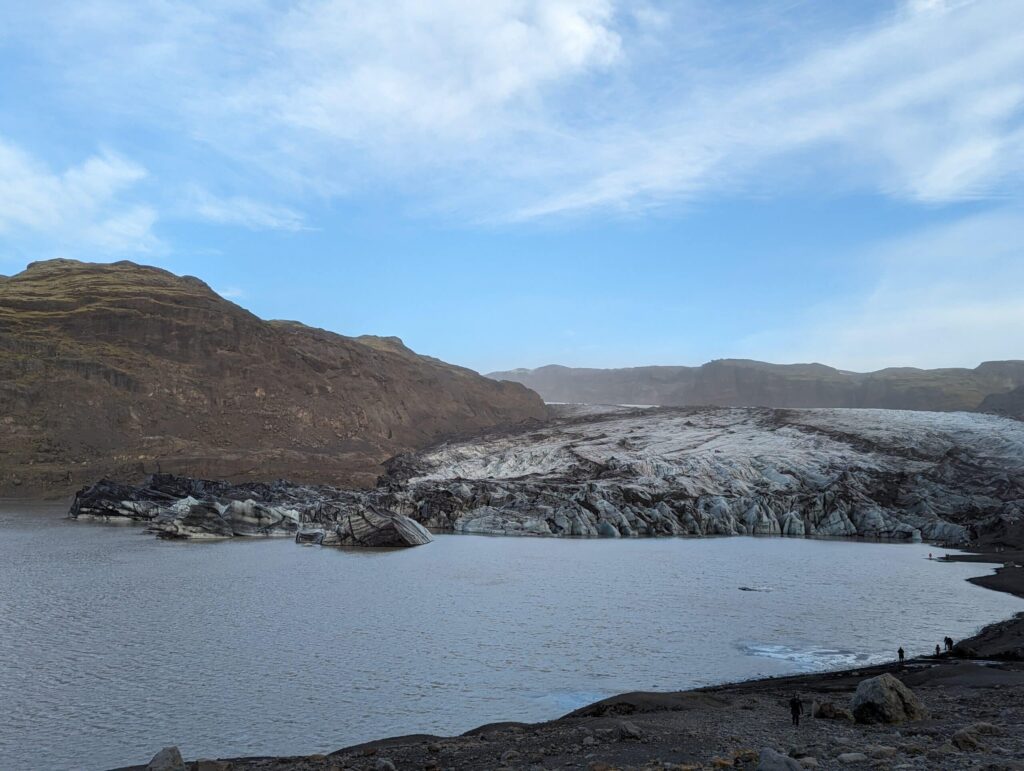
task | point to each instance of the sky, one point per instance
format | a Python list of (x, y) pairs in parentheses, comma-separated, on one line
[(516, 183)]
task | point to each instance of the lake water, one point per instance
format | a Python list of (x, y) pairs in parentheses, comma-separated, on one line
[(114, 644)]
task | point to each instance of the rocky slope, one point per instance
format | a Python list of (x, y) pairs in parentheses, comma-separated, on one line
[(743, 383), (120, 369), (1007, 403)]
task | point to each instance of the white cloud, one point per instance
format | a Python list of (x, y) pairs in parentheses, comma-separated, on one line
[(928, 107), (359, 71), (518, 109), (244, 212), (945, 296), (80, 208)]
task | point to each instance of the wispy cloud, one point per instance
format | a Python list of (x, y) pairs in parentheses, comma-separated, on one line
[(948, 295), (231, 293), (79, 209), (927, 106), (523, 109), (243, 212)]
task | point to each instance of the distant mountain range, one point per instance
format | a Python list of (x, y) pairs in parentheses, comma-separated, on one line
[(745, 383), (121, 369)]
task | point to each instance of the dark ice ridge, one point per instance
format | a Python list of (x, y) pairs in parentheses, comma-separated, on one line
[(618, 472)]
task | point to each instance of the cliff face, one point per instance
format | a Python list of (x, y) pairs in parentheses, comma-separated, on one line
[(1010, 403), (122, 370), (743, 383)]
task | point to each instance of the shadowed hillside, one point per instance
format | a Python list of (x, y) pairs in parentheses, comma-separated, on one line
[(123, 369), (745, 383), (1009, 403)]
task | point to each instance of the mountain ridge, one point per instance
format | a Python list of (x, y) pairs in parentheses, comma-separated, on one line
[(121, 369), (751, 383)]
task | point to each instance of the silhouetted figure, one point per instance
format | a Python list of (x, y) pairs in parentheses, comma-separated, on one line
[(796, 709), (949, 643), (938, 651), (902, 654)]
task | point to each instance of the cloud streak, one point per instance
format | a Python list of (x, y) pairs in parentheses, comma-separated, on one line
[(521, 109), (80, 208), (244, 212), (946, 295)]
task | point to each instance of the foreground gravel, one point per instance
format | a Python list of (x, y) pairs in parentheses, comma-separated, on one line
[(976, 721)]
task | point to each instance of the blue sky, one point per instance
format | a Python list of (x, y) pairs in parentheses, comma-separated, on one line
[(518, 182)]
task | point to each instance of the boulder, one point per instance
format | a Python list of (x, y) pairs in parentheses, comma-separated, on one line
[(968, 737), (770, 760), (984, 729), (630, 731), (880, 751), (826, 710), (852, 757), (884, 699), (168, 759), (965, 741)]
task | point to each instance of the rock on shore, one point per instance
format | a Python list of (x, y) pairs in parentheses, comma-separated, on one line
[(976, 714)]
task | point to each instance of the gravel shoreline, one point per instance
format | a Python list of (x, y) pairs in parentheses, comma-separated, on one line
[(975, 697)]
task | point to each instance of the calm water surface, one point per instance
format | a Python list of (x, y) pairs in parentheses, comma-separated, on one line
[(114, 644)]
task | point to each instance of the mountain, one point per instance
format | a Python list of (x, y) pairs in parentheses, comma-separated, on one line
[(1010, 403), (121, 369), (745, 383)]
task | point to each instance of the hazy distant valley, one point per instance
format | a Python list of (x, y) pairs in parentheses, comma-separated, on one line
[(995, 386)]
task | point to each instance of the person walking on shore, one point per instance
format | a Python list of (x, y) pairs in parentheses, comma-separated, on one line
[(901, 654), (796, 709)]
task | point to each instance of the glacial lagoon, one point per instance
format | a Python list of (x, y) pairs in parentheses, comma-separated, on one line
[(114, 644)]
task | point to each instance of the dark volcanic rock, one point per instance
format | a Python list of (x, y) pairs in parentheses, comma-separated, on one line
[(178, 507), (168, 759), (122, 370), (745, 383), (370, 527)]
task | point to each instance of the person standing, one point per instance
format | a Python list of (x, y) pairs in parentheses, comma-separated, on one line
[(796, 709), (901, 654), (938, 651)]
